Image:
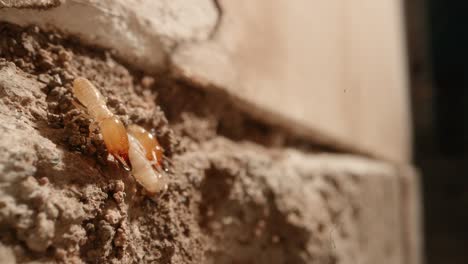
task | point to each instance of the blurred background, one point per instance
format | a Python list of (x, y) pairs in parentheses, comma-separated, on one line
[(437, 33)]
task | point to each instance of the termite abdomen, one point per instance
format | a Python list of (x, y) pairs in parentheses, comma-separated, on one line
[(153, 180), (153, 150)]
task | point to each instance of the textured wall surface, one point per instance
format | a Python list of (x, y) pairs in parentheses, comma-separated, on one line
[(140, 32), (332, 72), (232, 196)]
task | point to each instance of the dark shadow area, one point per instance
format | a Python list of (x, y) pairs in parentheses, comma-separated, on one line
[(437, 35)]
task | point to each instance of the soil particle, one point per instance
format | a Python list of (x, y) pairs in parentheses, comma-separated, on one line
[(230, 198)]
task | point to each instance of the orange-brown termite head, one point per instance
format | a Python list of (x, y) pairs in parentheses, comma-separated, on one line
[(154, 151), (112, 129)]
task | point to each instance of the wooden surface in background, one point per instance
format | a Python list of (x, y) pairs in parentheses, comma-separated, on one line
[(332, 71)]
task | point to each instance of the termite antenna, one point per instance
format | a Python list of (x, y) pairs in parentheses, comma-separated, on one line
[(80, 106), (168, 161)]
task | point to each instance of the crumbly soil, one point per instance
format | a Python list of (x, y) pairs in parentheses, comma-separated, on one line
[(237, 193)]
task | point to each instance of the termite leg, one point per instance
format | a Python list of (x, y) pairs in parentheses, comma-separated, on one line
[(155, 158), (167, 160), (124, 161), (78, 105), (155, 164)]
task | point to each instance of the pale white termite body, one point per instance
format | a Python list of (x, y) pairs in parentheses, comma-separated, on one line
[(153, 180)]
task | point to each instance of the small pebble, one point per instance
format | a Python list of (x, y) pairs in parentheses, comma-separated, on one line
[(44, 78), (43, 181), (119, 186), (64, 56)]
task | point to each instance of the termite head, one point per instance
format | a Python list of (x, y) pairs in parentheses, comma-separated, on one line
[(115, 137), (154, 151)]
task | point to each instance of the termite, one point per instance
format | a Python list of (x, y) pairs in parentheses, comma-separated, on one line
[(153, 179), (112, 129), (153, 150)]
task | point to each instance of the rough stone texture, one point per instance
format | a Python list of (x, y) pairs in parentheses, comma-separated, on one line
[(332, 72), (29, 3), (141, 32), (233, 198), (412, 215)]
